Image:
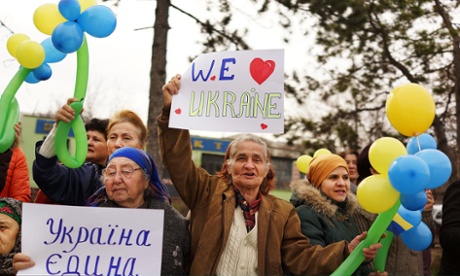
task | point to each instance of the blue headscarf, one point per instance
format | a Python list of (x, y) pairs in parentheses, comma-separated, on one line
[(145, 161)]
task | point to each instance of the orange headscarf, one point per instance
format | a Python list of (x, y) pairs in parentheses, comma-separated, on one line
[(322, 165)]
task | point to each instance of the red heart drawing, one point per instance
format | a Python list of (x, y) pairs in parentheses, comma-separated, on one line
[(178, 111), (263, 126), (213, 78), (261, 70)]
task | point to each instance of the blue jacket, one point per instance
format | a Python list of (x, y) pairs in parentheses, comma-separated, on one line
[(62, 184)]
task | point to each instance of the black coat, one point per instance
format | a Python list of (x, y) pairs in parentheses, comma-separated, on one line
[(449, 234)]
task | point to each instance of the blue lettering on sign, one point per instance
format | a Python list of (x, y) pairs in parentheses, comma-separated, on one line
[(112, 236), (223, 72)]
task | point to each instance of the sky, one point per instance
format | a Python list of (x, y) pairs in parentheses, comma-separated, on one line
[(120, 64)]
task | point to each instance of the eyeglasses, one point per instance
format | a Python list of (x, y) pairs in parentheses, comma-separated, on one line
[(126, 172)]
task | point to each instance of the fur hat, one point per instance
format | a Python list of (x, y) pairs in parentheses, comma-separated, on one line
[(322, 165)]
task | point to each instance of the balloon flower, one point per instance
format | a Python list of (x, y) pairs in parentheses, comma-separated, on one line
[(67, 23), (397, 194)]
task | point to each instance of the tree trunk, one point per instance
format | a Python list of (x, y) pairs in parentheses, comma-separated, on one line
[(157, 79)]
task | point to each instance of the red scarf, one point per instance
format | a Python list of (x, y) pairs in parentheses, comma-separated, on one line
[(249, 209)]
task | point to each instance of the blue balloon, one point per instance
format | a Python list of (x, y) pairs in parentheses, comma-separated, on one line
[(418, 238), (51, 53), (439, 165), (69, 9), (409, 174), (414, 202), (31, 78), (411, 217), (43, 72), (421, 142), (67, 37), (98, 21)]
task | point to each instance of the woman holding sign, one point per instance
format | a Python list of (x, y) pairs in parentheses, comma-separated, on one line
[(10, 233), (131, 181), (233, 213)]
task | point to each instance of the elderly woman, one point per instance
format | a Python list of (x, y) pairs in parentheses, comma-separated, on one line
[(326, 207), (68, 186), (237, 227), (131, 181), (10, 233)]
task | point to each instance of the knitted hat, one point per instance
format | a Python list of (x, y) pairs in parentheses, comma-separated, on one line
[(322, 165), (11, 207), (145, 161)]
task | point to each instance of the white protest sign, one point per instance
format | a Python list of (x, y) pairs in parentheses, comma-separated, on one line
[(67, 240), (237, 91)]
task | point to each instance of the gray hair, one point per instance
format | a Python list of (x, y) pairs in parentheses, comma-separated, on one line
[(247, 138)]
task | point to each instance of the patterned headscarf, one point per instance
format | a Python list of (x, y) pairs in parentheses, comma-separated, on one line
[(145, 161), (322, 165), (12, 208), (9, 207)]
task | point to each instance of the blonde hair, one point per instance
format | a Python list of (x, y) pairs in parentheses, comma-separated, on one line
[(128, 116)]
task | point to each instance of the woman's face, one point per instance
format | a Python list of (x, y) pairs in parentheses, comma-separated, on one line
[(97, 147), (9, 229), (336, 185), (249, 166), (122, 135), (125, 182), (351, 160)]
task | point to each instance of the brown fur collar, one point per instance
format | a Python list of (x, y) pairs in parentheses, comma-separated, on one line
[(303, 190)]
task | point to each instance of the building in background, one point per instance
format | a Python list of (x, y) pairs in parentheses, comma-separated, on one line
[(207, 152)]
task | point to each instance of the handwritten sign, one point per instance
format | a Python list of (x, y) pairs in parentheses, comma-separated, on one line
[(67, 240), (238, 91)]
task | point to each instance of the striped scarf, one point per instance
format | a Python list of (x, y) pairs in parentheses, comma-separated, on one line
[(249, 209)]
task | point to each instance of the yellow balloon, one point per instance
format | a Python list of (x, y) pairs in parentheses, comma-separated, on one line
[(410, 108), (84, 4), (321, 152), (47, 17), (30, 54), (375, 194), (14, 41), (303, 162), (384, 151)]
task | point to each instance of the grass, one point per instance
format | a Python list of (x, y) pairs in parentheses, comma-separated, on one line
[(283, 194)]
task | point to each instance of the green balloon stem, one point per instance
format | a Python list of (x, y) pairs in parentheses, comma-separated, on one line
[(81, 85), (8, 116), (374, 234), (381, 258), (60, 142), (7, 139)]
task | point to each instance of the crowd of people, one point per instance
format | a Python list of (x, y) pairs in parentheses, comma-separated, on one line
[(235, 226)]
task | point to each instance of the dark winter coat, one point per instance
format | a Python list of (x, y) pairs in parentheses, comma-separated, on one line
[(64, 185), (176, 235), (449, 235), (325, 221)]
